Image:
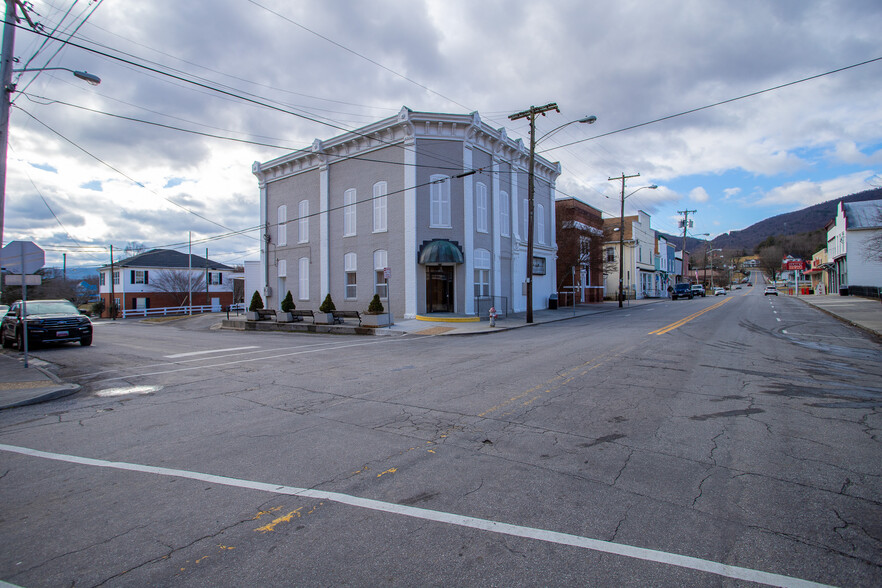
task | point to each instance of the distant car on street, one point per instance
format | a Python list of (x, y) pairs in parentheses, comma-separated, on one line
[(770, 291), (719, 291), (682, 291), (698, 290), (48, 321)]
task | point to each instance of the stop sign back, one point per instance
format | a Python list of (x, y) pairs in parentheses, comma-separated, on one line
[(15, 252)]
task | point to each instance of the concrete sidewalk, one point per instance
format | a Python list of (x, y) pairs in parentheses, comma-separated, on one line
[(20, 385), (863, 313)]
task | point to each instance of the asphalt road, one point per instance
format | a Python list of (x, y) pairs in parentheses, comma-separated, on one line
[(717, 441)]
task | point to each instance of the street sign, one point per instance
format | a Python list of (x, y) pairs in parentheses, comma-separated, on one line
[(15, 280), (15, 252)]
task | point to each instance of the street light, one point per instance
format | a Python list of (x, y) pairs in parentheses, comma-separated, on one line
[(623, 177), (531, 114), (7, 59)]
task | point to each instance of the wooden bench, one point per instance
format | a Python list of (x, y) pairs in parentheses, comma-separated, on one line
[(339, 315), (299, 314), (264, 314)]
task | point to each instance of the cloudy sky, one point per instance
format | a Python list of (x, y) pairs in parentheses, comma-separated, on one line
[(83, 176)]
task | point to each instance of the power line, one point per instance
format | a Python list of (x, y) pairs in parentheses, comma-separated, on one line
[(693, 110)]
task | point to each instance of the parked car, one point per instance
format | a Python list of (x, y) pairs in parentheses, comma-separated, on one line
[(682, 291), (48, 321), (698, 290), (770, 291), (719, 291)]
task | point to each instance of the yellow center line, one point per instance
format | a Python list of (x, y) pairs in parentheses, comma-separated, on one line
[(683, 321)]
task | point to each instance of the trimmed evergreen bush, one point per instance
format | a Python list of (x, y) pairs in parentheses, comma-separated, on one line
[(375, 307), (288, 302), (327, 305), (256, 302)]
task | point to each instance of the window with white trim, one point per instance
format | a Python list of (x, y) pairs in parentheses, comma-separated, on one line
[(349, 266), (215, 278), (349, 212), (283, 268), (102, 279), (482, 272), (303, 222), (282, 226), (380, 192), (540, 223), (139, 276), (481, 207), (504, 205), (381, 259), (439, 215), (116, 278), (303, 278)]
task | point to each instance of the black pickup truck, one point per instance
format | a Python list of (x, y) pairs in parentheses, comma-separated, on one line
[(682, 291)]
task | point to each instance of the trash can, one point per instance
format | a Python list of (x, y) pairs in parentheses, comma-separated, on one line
[(843, 290), (552, 302)]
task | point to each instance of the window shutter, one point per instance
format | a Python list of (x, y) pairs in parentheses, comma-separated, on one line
[(220, 277), (133, 276), (145, 277), (146, 303)]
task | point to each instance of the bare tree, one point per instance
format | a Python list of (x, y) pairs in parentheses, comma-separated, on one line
[(134, 248), (177, 283), (770, 259)]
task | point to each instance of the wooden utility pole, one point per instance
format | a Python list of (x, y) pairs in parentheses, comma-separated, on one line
[(531, 114), (623, 177), (685, 214)]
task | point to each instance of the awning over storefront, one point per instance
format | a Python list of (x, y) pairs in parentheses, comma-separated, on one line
[(439, 251)]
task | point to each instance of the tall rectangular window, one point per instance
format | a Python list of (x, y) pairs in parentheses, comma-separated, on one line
[(380, 207), (540, 223), (349, 212), (349, 266), (481, 207), (380, 264), (303, 222), (139, 276), (504, 213), (116, 278), (283, 268), (440, 201), (282, 226), (303, 278), (482, 272)]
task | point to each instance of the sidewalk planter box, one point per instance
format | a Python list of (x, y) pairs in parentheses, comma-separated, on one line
[(323, 318), (284, 317), (375, 321), (252, 315)]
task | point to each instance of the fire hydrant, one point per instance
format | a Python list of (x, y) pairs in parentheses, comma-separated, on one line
[(492, 316)]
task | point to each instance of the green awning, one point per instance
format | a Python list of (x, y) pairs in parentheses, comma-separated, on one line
[(439, 251)]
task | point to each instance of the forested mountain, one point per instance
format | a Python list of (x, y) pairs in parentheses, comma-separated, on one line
[(799, 222)]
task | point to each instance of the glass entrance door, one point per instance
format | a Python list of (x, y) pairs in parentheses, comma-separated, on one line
[(439, 288)]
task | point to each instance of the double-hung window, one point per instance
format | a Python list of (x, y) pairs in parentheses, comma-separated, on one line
[(481, 207), (303, 222), (349, 213), (482, 272), (503, 213), (380, 265), (380, 207), (349, 266), (139, 276), (439, 215), (216, 278)]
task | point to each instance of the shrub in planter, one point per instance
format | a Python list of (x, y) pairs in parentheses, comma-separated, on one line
[(288, 302), (328, 305), (375, 307), (256, 302)]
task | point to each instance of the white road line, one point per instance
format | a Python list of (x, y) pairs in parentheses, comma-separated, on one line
[(777, 319), (249, 360), (663, 557), (177, 355)]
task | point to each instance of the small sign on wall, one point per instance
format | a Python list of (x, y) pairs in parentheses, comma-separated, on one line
[(538, 266)]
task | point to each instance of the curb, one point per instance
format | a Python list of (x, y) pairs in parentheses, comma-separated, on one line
[(842, 319)]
